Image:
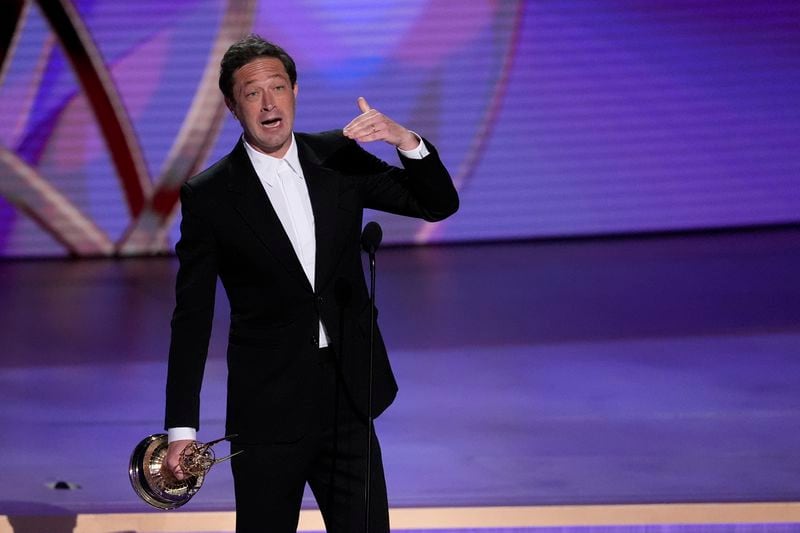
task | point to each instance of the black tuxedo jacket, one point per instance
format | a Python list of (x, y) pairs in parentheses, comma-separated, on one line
[(230, 231)]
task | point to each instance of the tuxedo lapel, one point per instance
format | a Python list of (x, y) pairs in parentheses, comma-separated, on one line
[(253, 205), (322, 186)]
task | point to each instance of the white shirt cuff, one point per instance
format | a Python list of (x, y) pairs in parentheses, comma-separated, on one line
[(417, 153), (174, 434)]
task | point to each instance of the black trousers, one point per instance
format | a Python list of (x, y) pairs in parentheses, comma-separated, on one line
[(269, 479)]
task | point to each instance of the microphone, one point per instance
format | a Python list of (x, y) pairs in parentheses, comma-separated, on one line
[(371, 237)]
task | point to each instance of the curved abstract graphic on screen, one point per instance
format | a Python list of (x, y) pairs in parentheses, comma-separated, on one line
[(568, 118), (149, 204), (114, 105)]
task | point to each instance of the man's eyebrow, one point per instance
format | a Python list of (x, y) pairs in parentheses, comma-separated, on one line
[(281, 76)]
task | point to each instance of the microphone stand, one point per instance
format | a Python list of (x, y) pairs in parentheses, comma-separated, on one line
[(369, 388), (370, 240)]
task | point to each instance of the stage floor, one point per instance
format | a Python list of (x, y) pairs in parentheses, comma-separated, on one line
[(651, 370)]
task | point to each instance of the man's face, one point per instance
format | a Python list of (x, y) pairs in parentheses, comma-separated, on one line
[(264, 104)]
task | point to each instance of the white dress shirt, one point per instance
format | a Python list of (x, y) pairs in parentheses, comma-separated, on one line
[(285, 185)]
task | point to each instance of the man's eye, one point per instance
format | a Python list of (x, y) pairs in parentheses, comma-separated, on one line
[(280, 87)]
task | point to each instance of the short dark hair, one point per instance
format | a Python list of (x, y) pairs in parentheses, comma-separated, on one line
[(246, 50)]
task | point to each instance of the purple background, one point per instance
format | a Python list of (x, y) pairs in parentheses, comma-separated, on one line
[(556, 118)]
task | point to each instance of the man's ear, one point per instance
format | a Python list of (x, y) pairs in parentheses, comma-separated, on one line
[(294, 89)]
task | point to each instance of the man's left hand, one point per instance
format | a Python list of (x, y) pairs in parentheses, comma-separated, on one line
[(372, 125)]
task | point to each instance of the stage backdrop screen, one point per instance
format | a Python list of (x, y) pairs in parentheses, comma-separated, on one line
[(555, 118)]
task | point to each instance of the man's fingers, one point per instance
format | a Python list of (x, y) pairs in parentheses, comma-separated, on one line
[(172, 471), (172, 461), (372, 125), (362, 121)]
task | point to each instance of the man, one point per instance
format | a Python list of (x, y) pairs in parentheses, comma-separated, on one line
[(278, 220)]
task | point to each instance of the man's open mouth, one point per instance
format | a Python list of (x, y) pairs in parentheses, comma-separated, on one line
[(271, 123)]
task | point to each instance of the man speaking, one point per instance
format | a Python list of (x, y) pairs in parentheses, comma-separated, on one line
[(278, 221)]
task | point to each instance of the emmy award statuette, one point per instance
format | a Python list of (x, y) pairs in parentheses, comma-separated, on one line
[(157, 486)]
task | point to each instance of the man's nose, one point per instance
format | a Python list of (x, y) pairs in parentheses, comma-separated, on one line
[(266, 103)]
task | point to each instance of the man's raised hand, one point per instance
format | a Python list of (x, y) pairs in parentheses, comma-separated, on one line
[(372, 125)]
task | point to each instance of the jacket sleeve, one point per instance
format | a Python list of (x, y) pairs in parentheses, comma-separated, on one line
[(423, 188), (191, 321)]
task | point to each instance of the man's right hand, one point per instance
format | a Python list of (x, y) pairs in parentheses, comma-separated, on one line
[(172, 462)]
